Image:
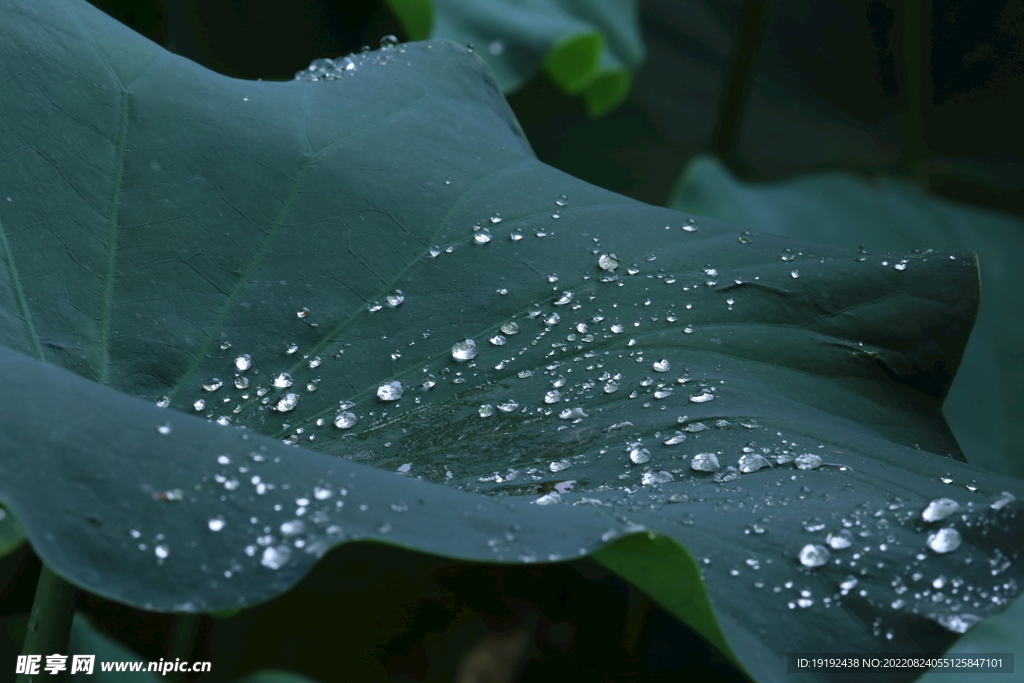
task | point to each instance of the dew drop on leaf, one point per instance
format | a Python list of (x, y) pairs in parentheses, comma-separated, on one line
[(944, 540), (510, 328), (662, 366), (553, 396), (287, 403), (939, 509), (243, 362), (752, 462), (486, 410), (464, 350), (390, 391), (215, 524), (212, 384), (650, 478), (702, 397), (345, 420), (807, 461), (395, 298), (812, 555), (276, 557), (608, 262), (704, 462)]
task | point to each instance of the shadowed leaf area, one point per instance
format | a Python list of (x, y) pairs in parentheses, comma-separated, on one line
[(247, 322)]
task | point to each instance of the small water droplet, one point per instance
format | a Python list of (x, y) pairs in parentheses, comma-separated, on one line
[(345, 420), (283, 381), (840, 540), (482, 237), (212, 384), (486, 410), (241, 383), (464, 350), (563, 299), (165, 428), (752, 462), (553, 396), (387, 42), (215, 524), (608, 262), (902, 265), (794, 274), (676, 439), (559, 465), (243, 362), (291, 348), (562, 200), (726, 474), (510, 328), (663, 392), (610, 386), (161, 551), (508, 406), (390, 391), (302, 313), (549, 499), (944, 540), (662, 366), (395, 299), (812, 555), (704, 462), (553, 319), (972, 485)]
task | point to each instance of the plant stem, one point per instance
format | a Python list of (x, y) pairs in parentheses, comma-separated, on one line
[(915, 52), (737, 82), (49, 624), (182, 641)]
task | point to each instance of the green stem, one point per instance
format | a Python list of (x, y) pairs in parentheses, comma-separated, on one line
[(49, 624), (915, 85), (182, 642), (738, 81)]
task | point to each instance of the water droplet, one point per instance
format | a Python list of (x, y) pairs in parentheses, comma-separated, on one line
[(199, 405), (972, 485), (617, 329), (939, 509), (390, 391), (464, 350), (225, 345), (163, 402), (745, 237), (516, 235), (639, 455), (165, 428), (243, 362), (841, 540), (726, 474), (812, 555), (695, 427), (508, 406), (482, 237), (553, 319), (704, 462), (549, 499), (663, 392), (752, 462), (678, 438), (662, 366), (559, 465), (807, 461), (944, 540), (902, 265), (276, 557), (572, 413), (213, 384), (650, 478), (387, 42), (610, 386), (786, 255), (702, 397), (510, 328), (711, 272), (957, 623), (1004, 499), (795, 274), (946, 478), (291, 348), (345, 420), (283, 381), (161, 551), (302, 313), (215, 524), (395, 298), (293, 527), (608, 262), (563, 299), (286, 403), (498, 340), (553, 396), (486, 410)]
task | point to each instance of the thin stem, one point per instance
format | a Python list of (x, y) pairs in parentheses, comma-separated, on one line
[(738, 81), (49, 624)]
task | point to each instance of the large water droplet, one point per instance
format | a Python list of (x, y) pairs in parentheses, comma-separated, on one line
[(553, 396), (464, 350), (498, 340), (944, 540), (293, 527), (395, 298), (390, 391), (215, 524), (286, 403), (678, 438), (807, 461), (345, 420), (939, 509), (726, 474), (663, 392), (276, 557), (608, 262), (662, 366), (482, 237), (213, 384), (704, 462), (486, 410), (510, 328), (563, 299), (812, 555), (283, 381), (841, 540), (508, 406), (161, 551), (243, 362), (650, 478), (752, 462), (639, 455), (795, 274), (702, 397), (559, 465), (549, 499)]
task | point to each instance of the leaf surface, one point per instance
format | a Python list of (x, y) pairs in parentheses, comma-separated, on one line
[(261, 254)]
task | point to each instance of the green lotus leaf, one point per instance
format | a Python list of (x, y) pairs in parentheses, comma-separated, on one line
[(247, 322)]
